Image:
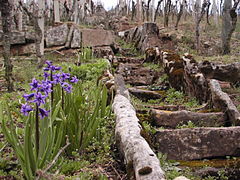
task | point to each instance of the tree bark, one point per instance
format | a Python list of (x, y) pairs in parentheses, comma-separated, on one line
[(172, 119), (138, 156), (179, 15), (157, 9), (167, 10), (199, 15), (6, 12), (222, 101), (229, 22), (56, 11), (215, 12)]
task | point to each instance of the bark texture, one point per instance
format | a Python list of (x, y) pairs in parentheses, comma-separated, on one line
[(6, 12), (172, 119), (199, 143), (222, 101), (137, 154)]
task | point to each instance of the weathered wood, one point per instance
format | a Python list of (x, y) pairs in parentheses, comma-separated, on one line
[(195, 84), (144, 94), (222, 101), (136, 151), (228, 72), (199, 143), (172, 119)]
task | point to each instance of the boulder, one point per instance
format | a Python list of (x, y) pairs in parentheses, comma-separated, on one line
[(56, 36), (100, 52), (97, 37), (199, 143), (16, 38), (27, 49)]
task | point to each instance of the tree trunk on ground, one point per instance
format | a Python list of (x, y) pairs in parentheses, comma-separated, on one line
[(222, 101), (56, 11), (172, 119), (6, 12), (229, 22), (179, 15), (140, 160)]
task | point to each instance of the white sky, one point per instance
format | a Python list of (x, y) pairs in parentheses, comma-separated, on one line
[(108, 4)]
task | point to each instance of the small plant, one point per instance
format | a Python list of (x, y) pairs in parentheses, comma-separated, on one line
[(174, 96), (189, 124), (44, 122)]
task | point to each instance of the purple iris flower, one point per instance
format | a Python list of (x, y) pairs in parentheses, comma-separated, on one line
[(67, 87), (46, 87), (57, 78), (39, 98), (43, 113), (74, 79), (49, 63), (65, 76), (55, 68), (25, 109), (28, 97), (34, 85), (46, 75)]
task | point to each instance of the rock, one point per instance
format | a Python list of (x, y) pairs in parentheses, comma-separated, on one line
[(77, 38), (199, 143), (16, 38), (172, 119), (181, 178), (97, 37), (56, 36), (145, 95), (117, 60)]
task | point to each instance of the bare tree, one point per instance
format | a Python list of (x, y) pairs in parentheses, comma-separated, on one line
[(56, 11), (215, 12), (148, 9), (207, 11), (6, 11), (37, 16), (133, 10), (167, 10), (179, 15), (199, 16), (229, 22), (157, 9)]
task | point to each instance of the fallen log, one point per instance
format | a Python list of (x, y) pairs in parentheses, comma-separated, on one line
[(144, 94), (222, 101), (137, 154), (199, 143), (228, 72), (172, 119)]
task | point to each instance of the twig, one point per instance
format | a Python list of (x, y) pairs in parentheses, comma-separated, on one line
[(119, 176), (56, 157)]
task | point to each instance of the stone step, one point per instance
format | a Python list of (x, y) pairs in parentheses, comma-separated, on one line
[(198, 143)]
